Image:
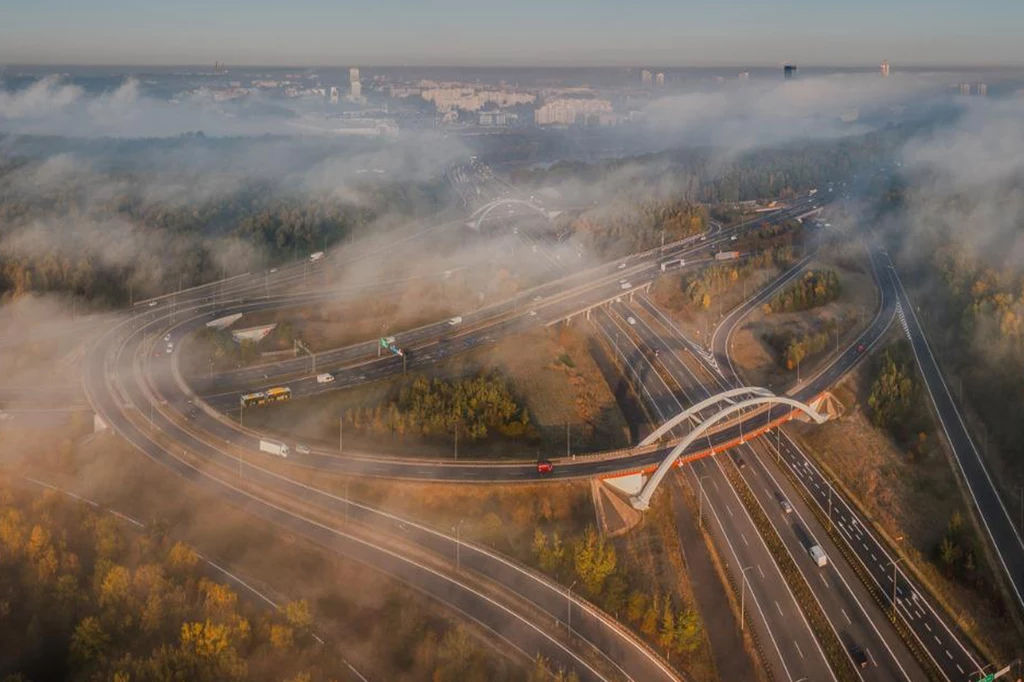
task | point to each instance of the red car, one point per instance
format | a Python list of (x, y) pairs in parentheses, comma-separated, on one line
[(545, 467), (860, 348)]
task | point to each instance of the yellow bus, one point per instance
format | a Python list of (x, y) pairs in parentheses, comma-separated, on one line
[(277, 395), (253, 399)]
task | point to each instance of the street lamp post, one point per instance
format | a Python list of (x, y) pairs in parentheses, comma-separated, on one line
[(456, 441), (743, 583), (568, 607), (894, 609), (700, 502), (458, 544), (830, 507), (341, 434)]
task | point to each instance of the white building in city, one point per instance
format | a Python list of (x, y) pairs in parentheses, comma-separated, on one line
[(569, 111)]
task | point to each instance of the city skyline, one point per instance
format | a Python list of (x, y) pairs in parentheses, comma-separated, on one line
[(532, 33)]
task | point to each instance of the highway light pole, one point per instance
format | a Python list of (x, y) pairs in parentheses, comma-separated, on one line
[(568, 607), (830, 507), (458, 544), (743, 583), (700, 502), (456, 441), (894, 610), (568, 447), (341, 434)]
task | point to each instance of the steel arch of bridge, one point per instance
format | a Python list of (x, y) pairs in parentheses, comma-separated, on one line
[(477, 218), (693, 410), (642, 500)]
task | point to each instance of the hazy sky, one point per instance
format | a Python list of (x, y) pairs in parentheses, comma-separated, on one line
[(514, 32)]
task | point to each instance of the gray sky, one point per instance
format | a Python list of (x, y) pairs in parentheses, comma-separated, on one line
[(525, 32)]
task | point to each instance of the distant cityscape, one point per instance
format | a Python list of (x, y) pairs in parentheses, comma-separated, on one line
[(380, 102)]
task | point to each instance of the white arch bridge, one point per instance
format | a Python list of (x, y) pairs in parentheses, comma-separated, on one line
[(481, 214), (725, 405)]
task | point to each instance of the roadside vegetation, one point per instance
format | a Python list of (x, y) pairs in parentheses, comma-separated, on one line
[(425, 407), (514, 399), (83, 599), (887, 458), (639, 578), (812, 289), (626, 227), (63, 563)]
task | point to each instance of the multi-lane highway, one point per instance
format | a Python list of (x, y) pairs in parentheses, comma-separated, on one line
[(115, 385), (549, 305), (946, 649), (1004, 536)]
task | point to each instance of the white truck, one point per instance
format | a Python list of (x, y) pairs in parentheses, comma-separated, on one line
[(324, 378), (316, 256), (279, 449), (455, 320), (818, 554)]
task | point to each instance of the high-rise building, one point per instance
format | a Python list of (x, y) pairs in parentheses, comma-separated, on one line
[(789, 71), (885, 68), (645, 77), (965, 88), (334, 94), (659, 79), (982, 90), (355, 88), (744, 75)]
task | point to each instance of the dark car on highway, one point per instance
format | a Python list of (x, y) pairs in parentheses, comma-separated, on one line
[(860, 659)]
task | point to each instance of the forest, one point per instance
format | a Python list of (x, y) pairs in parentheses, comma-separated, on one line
[(812, 289), (705, 176), (477, 407), (591, 561), (700, 289), (81, 598), (630, 226), (84, 596), (121, 228)]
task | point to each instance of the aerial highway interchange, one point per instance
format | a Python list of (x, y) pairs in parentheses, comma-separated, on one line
[(142, 395)]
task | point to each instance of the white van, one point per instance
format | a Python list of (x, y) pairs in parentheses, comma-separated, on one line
[(324, 378), (455, 320)]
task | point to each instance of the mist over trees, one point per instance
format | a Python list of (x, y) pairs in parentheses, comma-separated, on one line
[(83, 599), (119, 224)]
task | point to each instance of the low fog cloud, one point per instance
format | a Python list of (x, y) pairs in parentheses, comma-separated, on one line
[(967, 180), (743, 115)]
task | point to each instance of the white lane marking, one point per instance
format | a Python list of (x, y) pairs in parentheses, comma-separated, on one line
[(744, 538), (779, 608), (798, 650), (848, 621)]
